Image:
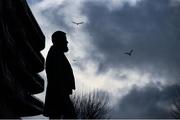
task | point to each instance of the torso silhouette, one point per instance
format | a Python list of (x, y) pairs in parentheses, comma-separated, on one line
[(60, 80)]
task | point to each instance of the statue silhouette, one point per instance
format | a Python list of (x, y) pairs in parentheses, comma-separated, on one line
[(60, 80)]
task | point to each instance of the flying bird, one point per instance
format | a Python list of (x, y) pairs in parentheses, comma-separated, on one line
[(129, 53), (78, 23)]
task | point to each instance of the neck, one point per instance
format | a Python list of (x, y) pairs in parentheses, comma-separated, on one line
[(57, 48)]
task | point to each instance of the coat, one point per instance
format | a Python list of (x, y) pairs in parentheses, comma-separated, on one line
[(60, 80)]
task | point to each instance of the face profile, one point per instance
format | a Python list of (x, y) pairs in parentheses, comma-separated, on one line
[(59, 40)]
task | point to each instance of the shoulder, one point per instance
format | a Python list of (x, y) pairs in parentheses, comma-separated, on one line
[(55, 54)]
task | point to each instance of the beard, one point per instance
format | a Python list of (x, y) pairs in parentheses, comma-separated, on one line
[(66, 49), (62, 48)]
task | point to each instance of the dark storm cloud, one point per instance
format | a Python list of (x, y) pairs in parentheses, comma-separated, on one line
[(151, 28), (148, 102)]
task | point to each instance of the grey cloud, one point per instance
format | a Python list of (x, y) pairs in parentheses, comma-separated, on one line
[(56, 16), (148, 102), (151, 28), (33, 1)]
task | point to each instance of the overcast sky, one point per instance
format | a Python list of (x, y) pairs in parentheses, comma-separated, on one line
[(142, 85)]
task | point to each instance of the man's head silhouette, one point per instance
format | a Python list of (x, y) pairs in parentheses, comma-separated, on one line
[(59, 40)]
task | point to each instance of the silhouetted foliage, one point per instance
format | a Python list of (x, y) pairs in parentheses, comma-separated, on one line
[(94, 105), (176, 109), (176, 105)]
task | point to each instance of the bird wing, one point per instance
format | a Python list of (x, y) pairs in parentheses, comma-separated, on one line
[(77, 23), (80, 22), (130, 53), (74, 22), (126, 53)]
